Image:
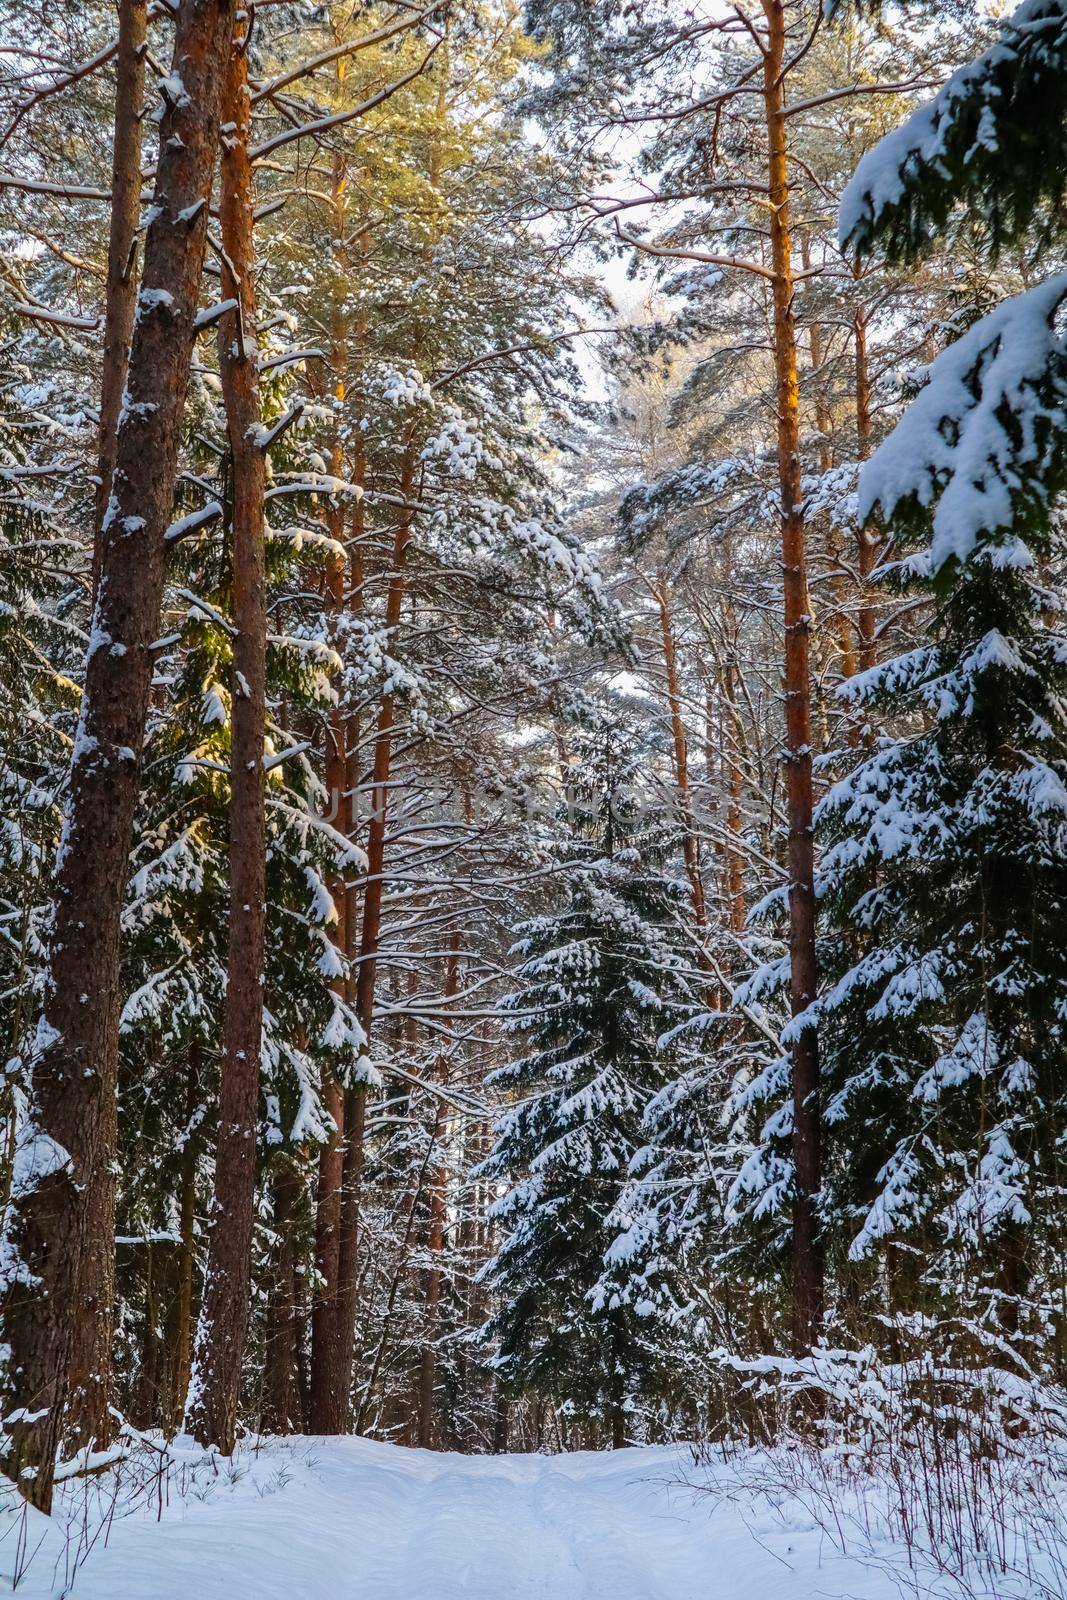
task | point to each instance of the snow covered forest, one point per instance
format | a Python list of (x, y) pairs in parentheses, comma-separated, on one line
[(533, 767)]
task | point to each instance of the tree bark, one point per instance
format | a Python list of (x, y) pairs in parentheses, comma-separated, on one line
[(329, 1386), (90, 1420), (121, 288), (732, 744), (435, 1234), (868, 545), (280, 1408), (680, 744), (74, 1073), (183, 1341), (501, 1419), (808, 1267), (345, 1299), (838, 583), (211, 1414), (683, 791), (324, 1379), (355, 1100)]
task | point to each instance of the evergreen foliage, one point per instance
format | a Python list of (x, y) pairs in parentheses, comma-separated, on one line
[(604, 977)]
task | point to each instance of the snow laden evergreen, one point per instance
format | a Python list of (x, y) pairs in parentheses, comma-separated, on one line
[(949, 853), (943, 984), (41, 645), (604, 976), (990, 148), (944, 882)]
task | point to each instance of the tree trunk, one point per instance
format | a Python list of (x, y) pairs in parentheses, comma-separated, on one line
[(690, 847), (838, 582), (807, 1248), (355, 1103), (211, 1415), (324, 1379), (280, 1409), (183, 1338), (89, 1419), (348, 1252), (329, 1383), (75, 1070), (435, 1237), (500, 1423), (121, 290), (618, 1426), (731, 759), (868, 544), (370, 931)]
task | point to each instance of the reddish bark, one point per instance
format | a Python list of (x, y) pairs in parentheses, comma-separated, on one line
[(370, 932), (222, 1334), (281, 1405), (120, 300), (75, 1071), (808, 1265), (329, 1380), (680, 745), (683, 791), (868, 546), (731, 761), (89, 1415), (351, 1176), (324, 1381), (183, 1342), (435, 1233), (838, 583), (329, 1399)]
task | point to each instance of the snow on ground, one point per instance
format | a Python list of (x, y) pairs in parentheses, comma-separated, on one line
[(348, 1519)]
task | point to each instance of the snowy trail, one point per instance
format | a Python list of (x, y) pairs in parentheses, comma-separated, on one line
[(353, 1520)]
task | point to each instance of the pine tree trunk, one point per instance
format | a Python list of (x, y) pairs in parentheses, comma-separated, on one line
[(183, 1340), (838, 583), (435, 1237), (355, 1103), (329, 1386), (346, 1303), (680, 745), (223, 1329), (120, 300), (807, 1250), (348, 1252), (500, 1423), (75, 1070), (731, 756), (324, 1379), (279, 1375), (618, 1426), (868, 546)]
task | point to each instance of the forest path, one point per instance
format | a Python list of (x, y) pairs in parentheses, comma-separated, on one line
[(348, 1519)]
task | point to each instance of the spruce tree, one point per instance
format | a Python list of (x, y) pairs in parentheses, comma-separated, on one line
[(603, 977), (943, 885)]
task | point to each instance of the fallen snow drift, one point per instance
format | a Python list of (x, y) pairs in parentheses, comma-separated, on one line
[(348, 1519)]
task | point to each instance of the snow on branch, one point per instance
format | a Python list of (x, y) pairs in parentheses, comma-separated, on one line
[(986, 438), (993, 139)]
